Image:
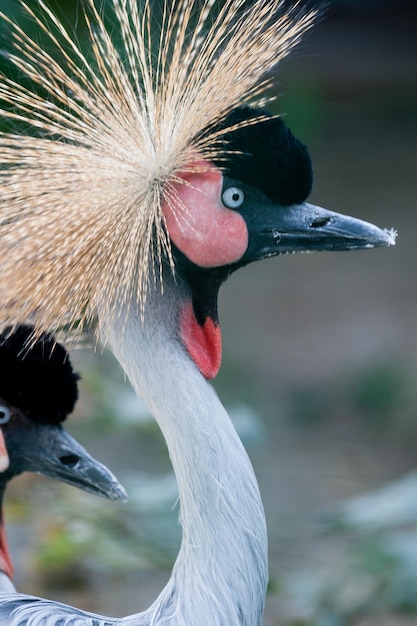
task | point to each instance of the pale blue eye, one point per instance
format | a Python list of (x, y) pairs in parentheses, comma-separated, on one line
[(5, 414), (233, 197)]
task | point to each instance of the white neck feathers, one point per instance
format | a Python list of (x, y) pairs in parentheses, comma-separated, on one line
[(220, 575)]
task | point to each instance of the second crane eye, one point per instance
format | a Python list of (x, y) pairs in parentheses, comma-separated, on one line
[(5, 414), (233, 197)]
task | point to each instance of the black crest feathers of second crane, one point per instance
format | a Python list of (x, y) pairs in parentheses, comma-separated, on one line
[(266, 155), (36, 375)]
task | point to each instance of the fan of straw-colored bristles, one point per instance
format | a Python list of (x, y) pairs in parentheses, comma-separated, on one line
[(106, 132)]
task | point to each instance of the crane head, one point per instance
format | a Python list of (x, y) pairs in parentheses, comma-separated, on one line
[(249, 203), (140, 153), (38, 388)]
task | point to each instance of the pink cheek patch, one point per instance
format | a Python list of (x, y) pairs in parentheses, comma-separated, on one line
[(209, 234), (203, 343)]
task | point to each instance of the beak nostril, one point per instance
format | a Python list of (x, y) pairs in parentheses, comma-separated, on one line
[(322, 221), (70, 460)]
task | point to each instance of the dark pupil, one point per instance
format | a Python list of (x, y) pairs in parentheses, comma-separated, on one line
[(2, 414), (236, 196)]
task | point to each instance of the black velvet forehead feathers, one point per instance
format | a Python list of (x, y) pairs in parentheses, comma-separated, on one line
[(36, 376), (272, 159)]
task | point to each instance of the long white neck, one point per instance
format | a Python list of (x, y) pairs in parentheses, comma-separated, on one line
[(220, 575)]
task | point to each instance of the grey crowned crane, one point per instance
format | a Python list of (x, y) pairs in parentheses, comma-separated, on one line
[(151, 172), (38, 389)]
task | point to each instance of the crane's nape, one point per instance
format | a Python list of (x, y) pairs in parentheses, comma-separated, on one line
[(148, 174)]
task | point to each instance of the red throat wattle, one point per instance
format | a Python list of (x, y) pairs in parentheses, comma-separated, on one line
[(209, 234), (202, 342)]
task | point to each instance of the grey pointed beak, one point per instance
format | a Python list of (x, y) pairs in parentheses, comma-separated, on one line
[(306, 227), (51, 451)]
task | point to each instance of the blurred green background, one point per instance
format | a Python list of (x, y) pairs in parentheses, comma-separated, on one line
[(319, 373)]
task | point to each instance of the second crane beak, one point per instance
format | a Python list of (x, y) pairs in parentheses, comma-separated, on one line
[(53, 452)]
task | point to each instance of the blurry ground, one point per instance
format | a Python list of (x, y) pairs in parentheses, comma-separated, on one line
[(320, 364)]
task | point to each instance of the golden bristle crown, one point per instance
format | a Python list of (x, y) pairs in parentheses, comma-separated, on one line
[(106, 132)]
